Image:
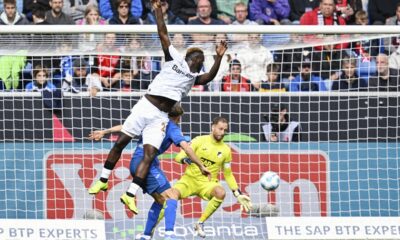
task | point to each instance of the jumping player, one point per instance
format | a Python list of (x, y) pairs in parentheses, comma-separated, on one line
[(149, 117)]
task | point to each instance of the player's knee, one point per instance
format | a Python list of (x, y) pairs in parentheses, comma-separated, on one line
[(160, 200), (149, 154), (172, 193), (219, 193)]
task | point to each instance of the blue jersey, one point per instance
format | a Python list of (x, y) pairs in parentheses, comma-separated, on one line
[(173, 135), (156, 181)]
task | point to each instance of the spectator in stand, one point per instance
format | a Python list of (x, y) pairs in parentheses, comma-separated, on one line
[(241, 19), (40, 81), (11, 16), (169, 17), (394, 59), (365, 50), (81, 80), (145, 75), (279, 127), (349, 81), (325, 14), (76, 8), (227, 9), (215, 85), (392, 43), (107, 65), (254, 58), (379, 11), (347, 8), (327, 61), (126, 84), (386, 79), (39, 17), (270, 12), (10, 70), (92, 16), (289, 60), (123, 15), (306, 80), (234, 81), (204, 18), (241, 13), (56, 15), (272, 81), (299, 7), (30, 5), (108, 8), (188, 9)]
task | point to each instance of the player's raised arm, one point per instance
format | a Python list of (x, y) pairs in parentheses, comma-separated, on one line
[(161, 28), (207, 77)]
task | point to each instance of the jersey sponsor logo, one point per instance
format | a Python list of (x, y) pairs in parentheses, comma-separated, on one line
[(207, 162), (219, 155), (180, 72)]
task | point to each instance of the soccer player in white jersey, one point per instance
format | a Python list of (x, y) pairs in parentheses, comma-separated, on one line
[(149, 117)]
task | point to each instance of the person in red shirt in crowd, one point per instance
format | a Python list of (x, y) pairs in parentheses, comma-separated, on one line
[(234, 81), (325, 14), (107, 64)]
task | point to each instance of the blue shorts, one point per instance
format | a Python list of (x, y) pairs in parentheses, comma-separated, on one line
[(156, 180)]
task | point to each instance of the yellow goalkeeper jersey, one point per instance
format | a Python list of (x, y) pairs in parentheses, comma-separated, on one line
[(216, 156)]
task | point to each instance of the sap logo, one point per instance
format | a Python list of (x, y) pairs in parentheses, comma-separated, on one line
[(231, 231)]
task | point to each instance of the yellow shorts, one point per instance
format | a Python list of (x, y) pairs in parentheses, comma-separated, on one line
[(187, 186)]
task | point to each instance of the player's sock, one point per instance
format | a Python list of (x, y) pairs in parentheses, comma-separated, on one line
[(105, 174), (170, 214), (152, 218), (137, 183), (133, 187), (212, 206)]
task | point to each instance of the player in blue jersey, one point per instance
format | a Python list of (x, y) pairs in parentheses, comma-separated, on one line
[(157, 184)]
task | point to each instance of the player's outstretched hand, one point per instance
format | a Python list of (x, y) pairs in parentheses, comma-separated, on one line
[(221, 48), (245, 202), (96, 135), (156, 4)]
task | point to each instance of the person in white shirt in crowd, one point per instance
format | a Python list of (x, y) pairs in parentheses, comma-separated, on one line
[(279, 127)]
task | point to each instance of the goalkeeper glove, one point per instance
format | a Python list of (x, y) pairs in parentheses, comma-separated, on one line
[(187, 161), (245, 201)]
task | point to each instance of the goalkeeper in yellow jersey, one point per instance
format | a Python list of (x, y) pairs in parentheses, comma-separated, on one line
[(216, 156)]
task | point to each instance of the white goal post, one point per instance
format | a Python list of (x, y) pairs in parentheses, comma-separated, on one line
[(344, 163)]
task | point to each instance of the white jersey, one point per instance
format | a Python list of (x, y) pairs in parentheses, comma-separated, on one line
[(175, 79), (285, 136)]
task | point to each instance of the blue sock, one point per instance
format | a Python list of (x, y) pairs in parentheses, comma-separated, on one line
[(152, 218), (170, 214)]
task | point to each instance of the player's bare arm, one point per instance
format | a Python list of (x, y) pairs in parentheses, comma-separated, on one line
[(190, 153), (161, 28), (99, 134), (220, 50)]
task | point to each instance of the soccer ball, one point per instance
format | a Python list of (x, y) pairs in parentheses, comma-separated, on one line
[(270, 181)]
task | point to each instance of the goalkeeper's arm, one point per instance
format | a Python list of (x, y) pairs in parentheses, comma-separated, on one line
[(244, 200), (188, 152), (99, 134)]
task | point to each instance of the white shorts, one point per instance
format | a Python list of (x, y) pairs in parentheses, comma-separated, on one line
[(148, 121)]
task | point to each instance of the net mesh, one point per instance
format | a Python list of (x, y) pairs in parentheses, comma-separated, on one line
[(345, 162)]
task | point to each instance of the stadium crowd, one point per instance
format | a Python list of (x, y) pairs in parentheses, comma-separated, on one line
[(361, 65)]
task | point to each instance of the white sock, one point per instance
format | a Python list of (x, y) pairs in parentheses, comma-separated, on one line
[(105, 173), (169, 233), (133, 187)]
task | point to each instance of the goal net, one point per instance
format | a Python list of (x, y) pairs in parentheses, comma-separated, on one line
[(320, 109)]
